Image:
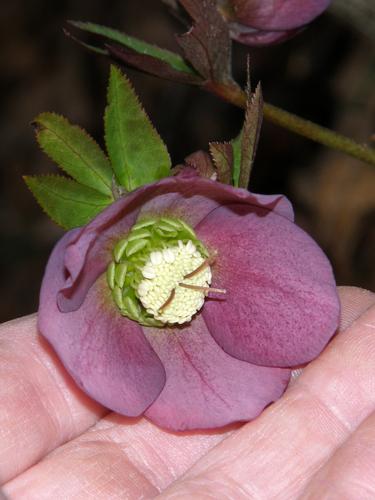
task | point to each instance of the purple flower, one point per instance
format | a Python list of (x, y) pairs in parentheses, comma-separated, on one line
[(234, 357), (263, 22)]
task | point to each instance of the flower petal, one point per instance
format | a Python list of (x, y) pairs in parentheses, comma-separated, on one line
[(187, 196), (276, 15), (106, 354), (206, 387), (281, 306)]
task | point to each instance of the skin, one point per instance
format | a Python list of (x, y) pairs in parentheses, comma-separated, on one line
[(316, 442)]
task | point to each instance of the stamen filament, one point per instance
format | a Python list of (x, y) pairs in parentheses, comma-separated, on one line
[(204, 289), (168, 301), (210, 260)]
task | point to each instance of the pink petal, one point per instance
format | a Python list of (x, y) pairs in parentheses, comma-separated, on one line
[(187, 196), (106, 354), (278, 15), (281, 306), (205, 387)]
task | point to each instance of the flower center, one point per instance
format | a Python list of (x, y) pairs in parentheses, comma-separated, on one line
[(162, 292), (160, 273)]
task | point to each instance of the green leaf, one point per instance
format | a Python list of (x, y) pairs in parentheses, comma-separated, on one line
[(66, 202), (173, 59), (74, 151), (137, 153)]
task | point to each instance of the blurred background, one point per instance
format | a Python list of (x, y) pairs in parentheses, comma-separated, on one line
[(326, 74)]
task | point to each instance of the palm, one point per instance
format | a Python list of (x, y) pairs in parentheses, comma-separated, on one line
[(315, 442)]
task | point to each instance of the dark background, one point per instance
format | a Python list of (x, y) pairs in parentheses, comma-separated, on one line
[(325, 74)]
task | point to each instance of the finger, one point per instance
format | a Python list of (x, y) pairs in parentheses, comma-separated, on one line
[(351, 471), (354, 302), (277, 454), (129, 458), (40, 406), (117, 458), (63, 459)]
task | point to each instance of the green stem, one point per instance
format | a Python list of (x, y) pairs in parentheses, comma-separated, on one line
[(294, 123), (318, 133)]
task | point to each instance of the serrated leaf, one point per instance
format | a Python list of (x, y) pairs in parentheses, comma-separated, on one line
[(222, 155), (236, 167), (65, 201), (244, 146), (169, 57), (74, 151), (137, 153), (250, 134), (202, 163)]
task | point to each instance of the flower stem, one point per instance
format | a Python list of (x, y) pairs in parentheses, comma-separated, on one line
[(318, 133), (298, 125)]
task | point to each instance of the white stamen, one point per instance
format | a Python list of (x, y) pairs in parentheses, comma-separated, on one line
[(156, 258), (168, 256), (163, 281), (144, 287), (148, 272), (190, 247)]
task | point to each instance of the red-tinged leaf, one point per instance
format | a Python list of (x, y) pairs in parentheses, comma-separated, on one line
[(236, 164), (112, 36), (202, 163), (222, 155), (207, 44), (152, 65), (250, 134)]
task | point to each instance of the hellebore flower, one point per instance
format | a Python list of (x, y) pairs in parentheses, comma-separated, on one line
[(122, 302), (263, 22)]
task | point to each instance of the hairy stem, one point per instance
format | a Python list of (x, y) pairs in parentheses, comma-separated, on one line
[(294, 123)]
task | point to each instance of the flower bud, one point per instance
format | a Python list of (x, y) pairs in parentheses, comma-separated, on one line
[(262, 22)]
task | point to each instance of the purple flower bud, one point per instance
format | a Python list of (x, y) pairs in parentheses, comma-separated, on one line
[(262, 22), (116, 291)]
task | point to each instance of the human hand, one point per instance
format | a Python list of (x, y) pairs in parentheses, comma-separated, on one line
[(317, 441)]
